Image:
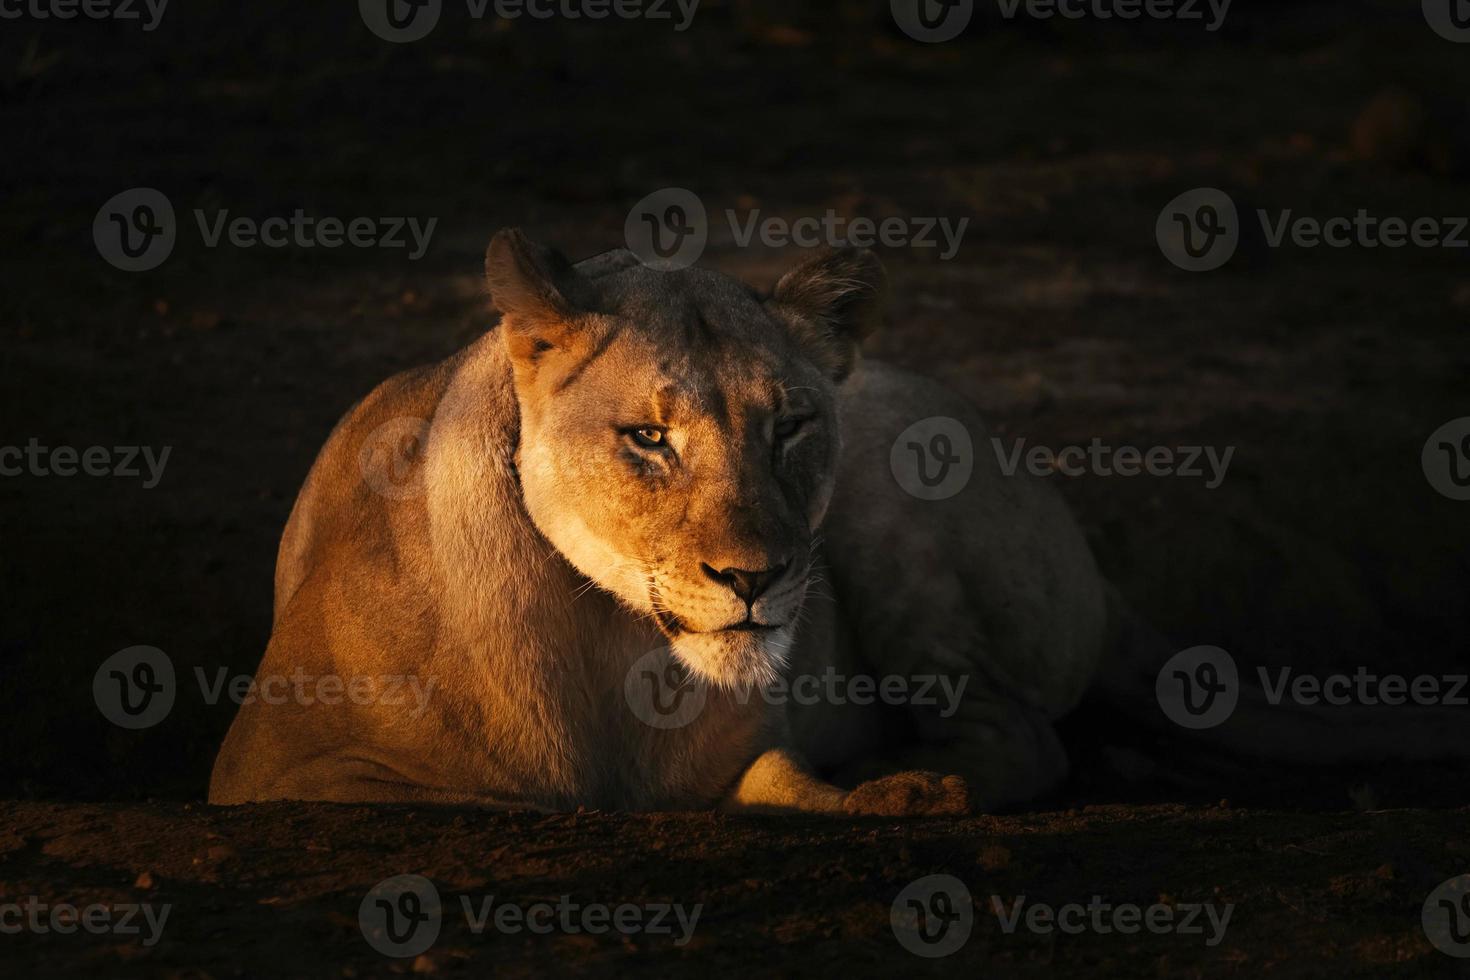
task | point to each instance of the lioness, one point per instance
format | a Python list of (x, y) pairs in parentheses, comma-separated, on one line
[(630, 473)]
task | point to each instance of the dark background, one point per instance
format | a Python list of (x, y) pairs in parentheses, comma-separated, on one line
[(1060, 141)]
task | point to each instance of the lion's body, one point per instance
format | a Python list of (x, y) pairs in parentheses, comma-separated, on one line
[(530, 664), (445, 576)]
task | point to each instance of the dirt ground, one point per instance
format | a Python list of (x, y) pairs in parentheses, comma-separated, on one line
[(275, 890), (1327, 369)]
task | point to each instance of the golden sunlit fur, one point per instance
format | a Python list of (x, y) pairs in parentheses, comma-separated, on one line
[(633, 468)]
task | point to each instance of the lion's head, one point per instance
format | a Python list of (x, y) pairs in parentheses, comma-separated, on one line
[(679, 435)]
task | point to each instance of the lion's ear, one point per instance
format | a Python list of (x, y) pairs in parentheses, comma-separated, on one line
[(831, 302), (530, 286)]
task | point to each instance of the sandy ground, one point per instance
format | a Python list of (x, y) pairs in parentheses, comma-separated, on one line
[(1327, 369)]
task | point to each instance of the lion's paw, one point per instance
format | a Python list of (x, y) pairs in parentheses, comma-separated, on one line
[(909, 794)]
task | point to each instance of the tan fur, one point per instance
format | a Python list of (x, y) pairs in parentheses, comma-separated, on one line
[(539, 551)]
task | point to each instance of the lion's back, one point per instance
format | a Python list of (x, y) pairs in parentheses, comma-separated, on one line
[(368, 470)]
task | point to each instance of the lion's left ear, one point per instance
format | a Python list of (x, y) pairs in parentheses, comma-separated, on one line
[(831, 302)]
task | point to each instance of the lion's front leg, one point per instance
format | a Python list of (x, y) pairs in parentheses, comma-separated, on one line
[(779, 782)]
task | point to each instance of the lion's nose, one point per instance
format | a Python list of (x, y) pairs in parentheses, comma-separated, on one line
[(746, 584)]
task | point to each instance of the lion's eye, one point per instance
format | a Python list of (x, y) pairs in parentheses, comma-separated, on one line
[(786, 428), (648, 436)]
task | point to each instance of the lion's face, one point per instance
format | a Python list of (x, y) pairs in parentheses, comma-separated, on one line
[(679, 437)]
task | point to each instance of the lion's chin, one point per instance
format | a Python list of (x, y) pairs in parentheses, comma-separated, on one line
[(735, 658)]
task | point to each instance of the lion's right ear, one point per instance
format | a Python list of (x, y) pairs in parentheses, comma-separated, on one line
[(831, 302), (529, 285)]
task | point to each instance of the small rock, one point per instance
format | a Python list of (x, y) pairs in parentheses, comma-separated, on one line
[(993, 857), (220, 853), (1390, 129)]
